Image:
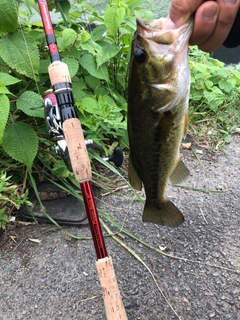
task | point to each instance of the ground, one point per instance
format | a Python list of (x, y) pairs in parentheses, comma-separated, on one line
[(45, 274)]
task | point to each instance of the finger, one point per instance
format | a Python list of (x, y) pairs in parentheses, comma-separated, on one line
[(204, 23), (227, 12), (181, 10)]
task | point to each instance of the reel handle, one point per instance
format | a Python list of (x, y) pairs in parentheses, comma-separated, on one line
[(116, 157)]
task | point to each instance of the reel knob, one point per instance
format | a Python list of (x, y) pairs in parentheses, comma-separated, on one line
[(117, 157)]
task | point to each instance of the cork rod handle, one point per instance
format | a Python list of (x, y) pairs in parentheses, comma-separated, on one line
[(77, 149), (61, 82), (111, 295)]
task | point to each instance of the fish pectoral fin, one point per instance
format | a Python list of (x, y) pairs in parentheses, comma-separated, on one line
[(133, 177), (163, 213), (180, 173)]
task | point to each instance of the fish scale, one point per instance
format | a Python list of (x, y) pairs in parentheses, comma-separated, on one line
[(158, 91)]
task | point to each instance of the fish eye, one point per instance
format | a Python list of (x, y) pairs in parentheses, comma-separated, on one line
[(140, 55)]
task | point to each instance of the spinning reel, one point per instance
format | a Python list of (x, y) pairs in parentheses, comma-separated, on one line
[(55, 131)]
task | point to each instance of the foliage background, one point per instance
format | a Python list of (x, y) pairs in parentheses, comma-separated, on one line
[(96, 48)]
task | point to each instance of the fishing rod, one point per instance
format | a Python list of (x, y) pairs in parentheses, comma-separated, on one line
[(76, 156)]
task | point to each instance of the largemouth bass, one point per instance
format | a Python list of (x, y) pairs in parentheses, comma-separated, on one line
[(158, 92)]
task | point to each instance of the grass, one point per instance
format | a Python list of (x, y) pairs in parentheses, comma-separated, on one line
[(215, 131), (214, 101)]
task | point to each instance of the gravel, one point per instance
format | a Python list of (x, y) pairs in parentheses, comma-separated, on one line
[(46, 274)]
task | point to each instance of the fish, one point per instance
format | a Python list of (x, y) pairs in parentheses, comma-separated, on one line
[(157, 115)]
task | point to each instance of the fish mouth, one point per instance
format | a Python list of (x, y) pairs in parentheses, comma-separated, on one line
[(158, 30)]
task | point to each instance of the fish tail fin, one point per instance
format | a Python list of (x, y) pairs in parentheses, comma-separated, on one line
[(164, 213)]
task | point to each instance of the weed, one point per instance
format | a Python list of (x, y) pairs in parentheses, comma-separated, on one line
[(10, 198), (214, 100)]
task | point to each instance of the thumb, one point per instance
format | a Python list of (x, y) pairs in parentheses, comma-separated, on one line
[(181, 10)]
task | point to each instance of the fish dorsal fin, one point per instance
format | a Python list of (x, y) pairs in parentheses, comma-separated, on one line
[(133, 177), (180, 173)]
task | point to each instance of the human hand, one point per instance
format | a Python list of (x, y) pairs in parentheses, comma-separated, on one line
[(212, 23)]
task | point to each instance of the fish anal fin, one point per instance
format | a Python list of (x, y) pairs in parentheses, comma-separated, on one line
[(180, 173), (185, 125), (133, 177), (164, 213)]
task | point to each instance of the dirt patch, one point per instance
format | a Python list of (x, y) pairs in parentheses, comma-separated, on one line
[(47, 275)]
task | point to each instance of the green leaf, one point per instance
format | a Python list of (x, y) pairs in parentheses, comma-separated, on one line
[(78, 94), (89, 105), (228, 138), (121, 79), (61, 44), (132, 2), (98, 32), (225, 85), (80, 83), (208, 84), (69, 36), (21, 143), (31, 103), (113, 17), (92, 47), (88, 62), (7, 79), (4, 112), (20, 53), (65, 7), (232, 80), (144, 14), (109, 50), (8, 15), (73, 66), (85, 36), (210, 96), (4, 89), (214, 104), (217, 91), (44, 64), (93, 82), (200, 67)]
